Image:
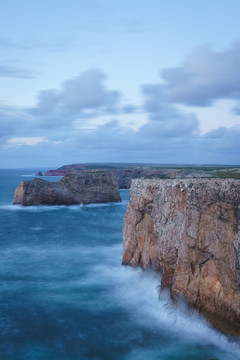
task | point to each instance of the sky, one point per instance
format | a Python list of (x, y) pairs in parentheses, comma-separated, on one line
[(148, 81)]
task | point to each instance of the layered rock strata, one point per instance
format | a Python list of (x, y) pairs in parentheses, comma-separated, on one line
[(189, 230), (83, 188), (125, 175)]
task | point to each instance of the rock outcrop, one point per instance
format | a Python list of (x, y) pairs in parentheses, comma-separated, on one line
[(83, 188), (189, 230), (125, 175), (55, 173), (63, 170)]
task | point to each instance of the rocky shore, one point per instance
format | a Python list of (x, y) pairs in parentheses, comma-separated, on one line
[(189, 230), (85, 188)]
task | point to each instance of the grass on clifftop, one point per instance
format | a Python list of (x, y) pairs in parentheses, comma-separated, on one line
[(227, 175)]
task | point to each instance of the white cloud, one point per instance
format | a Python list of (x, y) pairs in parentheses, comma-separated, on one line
[(23, 141)]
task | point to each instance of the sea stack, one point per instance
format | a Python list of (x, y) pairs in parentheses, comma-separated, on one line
[(189, 230), (85, 188)]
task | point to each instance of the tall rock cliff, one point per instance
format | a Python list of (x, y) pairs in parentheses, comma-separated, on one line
[(83, 188), (189, 230)]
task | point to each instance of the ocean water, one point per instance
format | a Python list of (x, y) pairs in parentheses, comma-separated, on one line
[(64, 294)]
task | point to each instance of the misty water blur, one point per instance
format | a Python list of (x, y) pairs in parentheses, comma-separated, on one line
[(65, 295)]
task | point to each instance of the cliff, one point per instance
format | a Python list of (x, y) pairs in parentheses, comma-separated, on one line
[(189, 230), (83, 188), (125, 174)]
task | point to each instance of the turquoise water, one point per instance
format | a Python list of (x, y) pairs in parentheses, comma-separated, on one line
[(65, 295)]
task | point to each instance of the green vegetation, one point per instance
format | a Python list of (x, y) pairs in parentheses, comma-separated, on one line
[(227, 174)]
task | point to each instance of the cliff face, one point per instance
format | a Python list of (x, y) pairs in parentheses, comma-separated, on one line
[(124, 175), (189, 229), (83, 188)]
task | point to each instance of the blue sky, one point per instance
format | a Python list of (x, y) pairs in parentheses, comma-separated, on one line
[(119, 81)]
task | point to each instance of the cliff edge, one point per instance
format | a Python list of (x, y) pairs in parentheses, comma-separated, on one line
[(189, 230), (86, 188)]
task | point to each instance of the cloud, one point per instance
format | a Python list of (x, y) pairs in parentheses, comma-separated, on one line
[(222, 141), (85, 121), (14, 72), (205, 76), (29, 44), (87, 91), (166, 120), (129, 109), (23, 141), (6, 42), (82, 96), (11, 121)]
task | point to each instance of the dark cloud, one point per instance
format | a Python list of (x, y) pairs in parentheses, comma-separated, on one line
[(205, 76), (152, 143), (110, 143), (223, 142)]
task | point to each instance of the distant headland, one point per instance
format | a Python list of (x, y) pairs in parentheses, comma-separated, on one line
[(124, 173)]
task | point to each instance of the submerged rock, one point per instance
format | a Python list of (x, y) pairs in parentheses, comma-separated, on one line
[(86, 188), (189, 230)]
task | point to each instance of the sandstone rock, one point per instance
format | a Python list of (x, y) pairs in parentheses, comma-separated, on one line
[(63, 170), (83, 188), (189, 230), (55, 173)]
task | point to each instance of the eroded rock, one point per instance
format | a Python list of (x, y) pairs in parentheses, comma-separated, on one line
[(83, 188), (189, 230)]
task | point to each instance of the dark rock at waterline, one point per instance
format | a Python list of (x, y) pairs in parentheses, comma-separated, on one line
[(39, 173), (86, 188)]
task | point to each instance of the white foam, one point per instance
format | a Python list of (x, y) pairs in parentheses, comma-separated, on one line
[(138, 292), (28, 175), (120, 203), (39, 208), (36, 228)]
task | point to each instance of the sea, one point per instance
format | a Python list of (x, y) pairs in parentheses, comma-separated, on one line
[(64, 294)]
